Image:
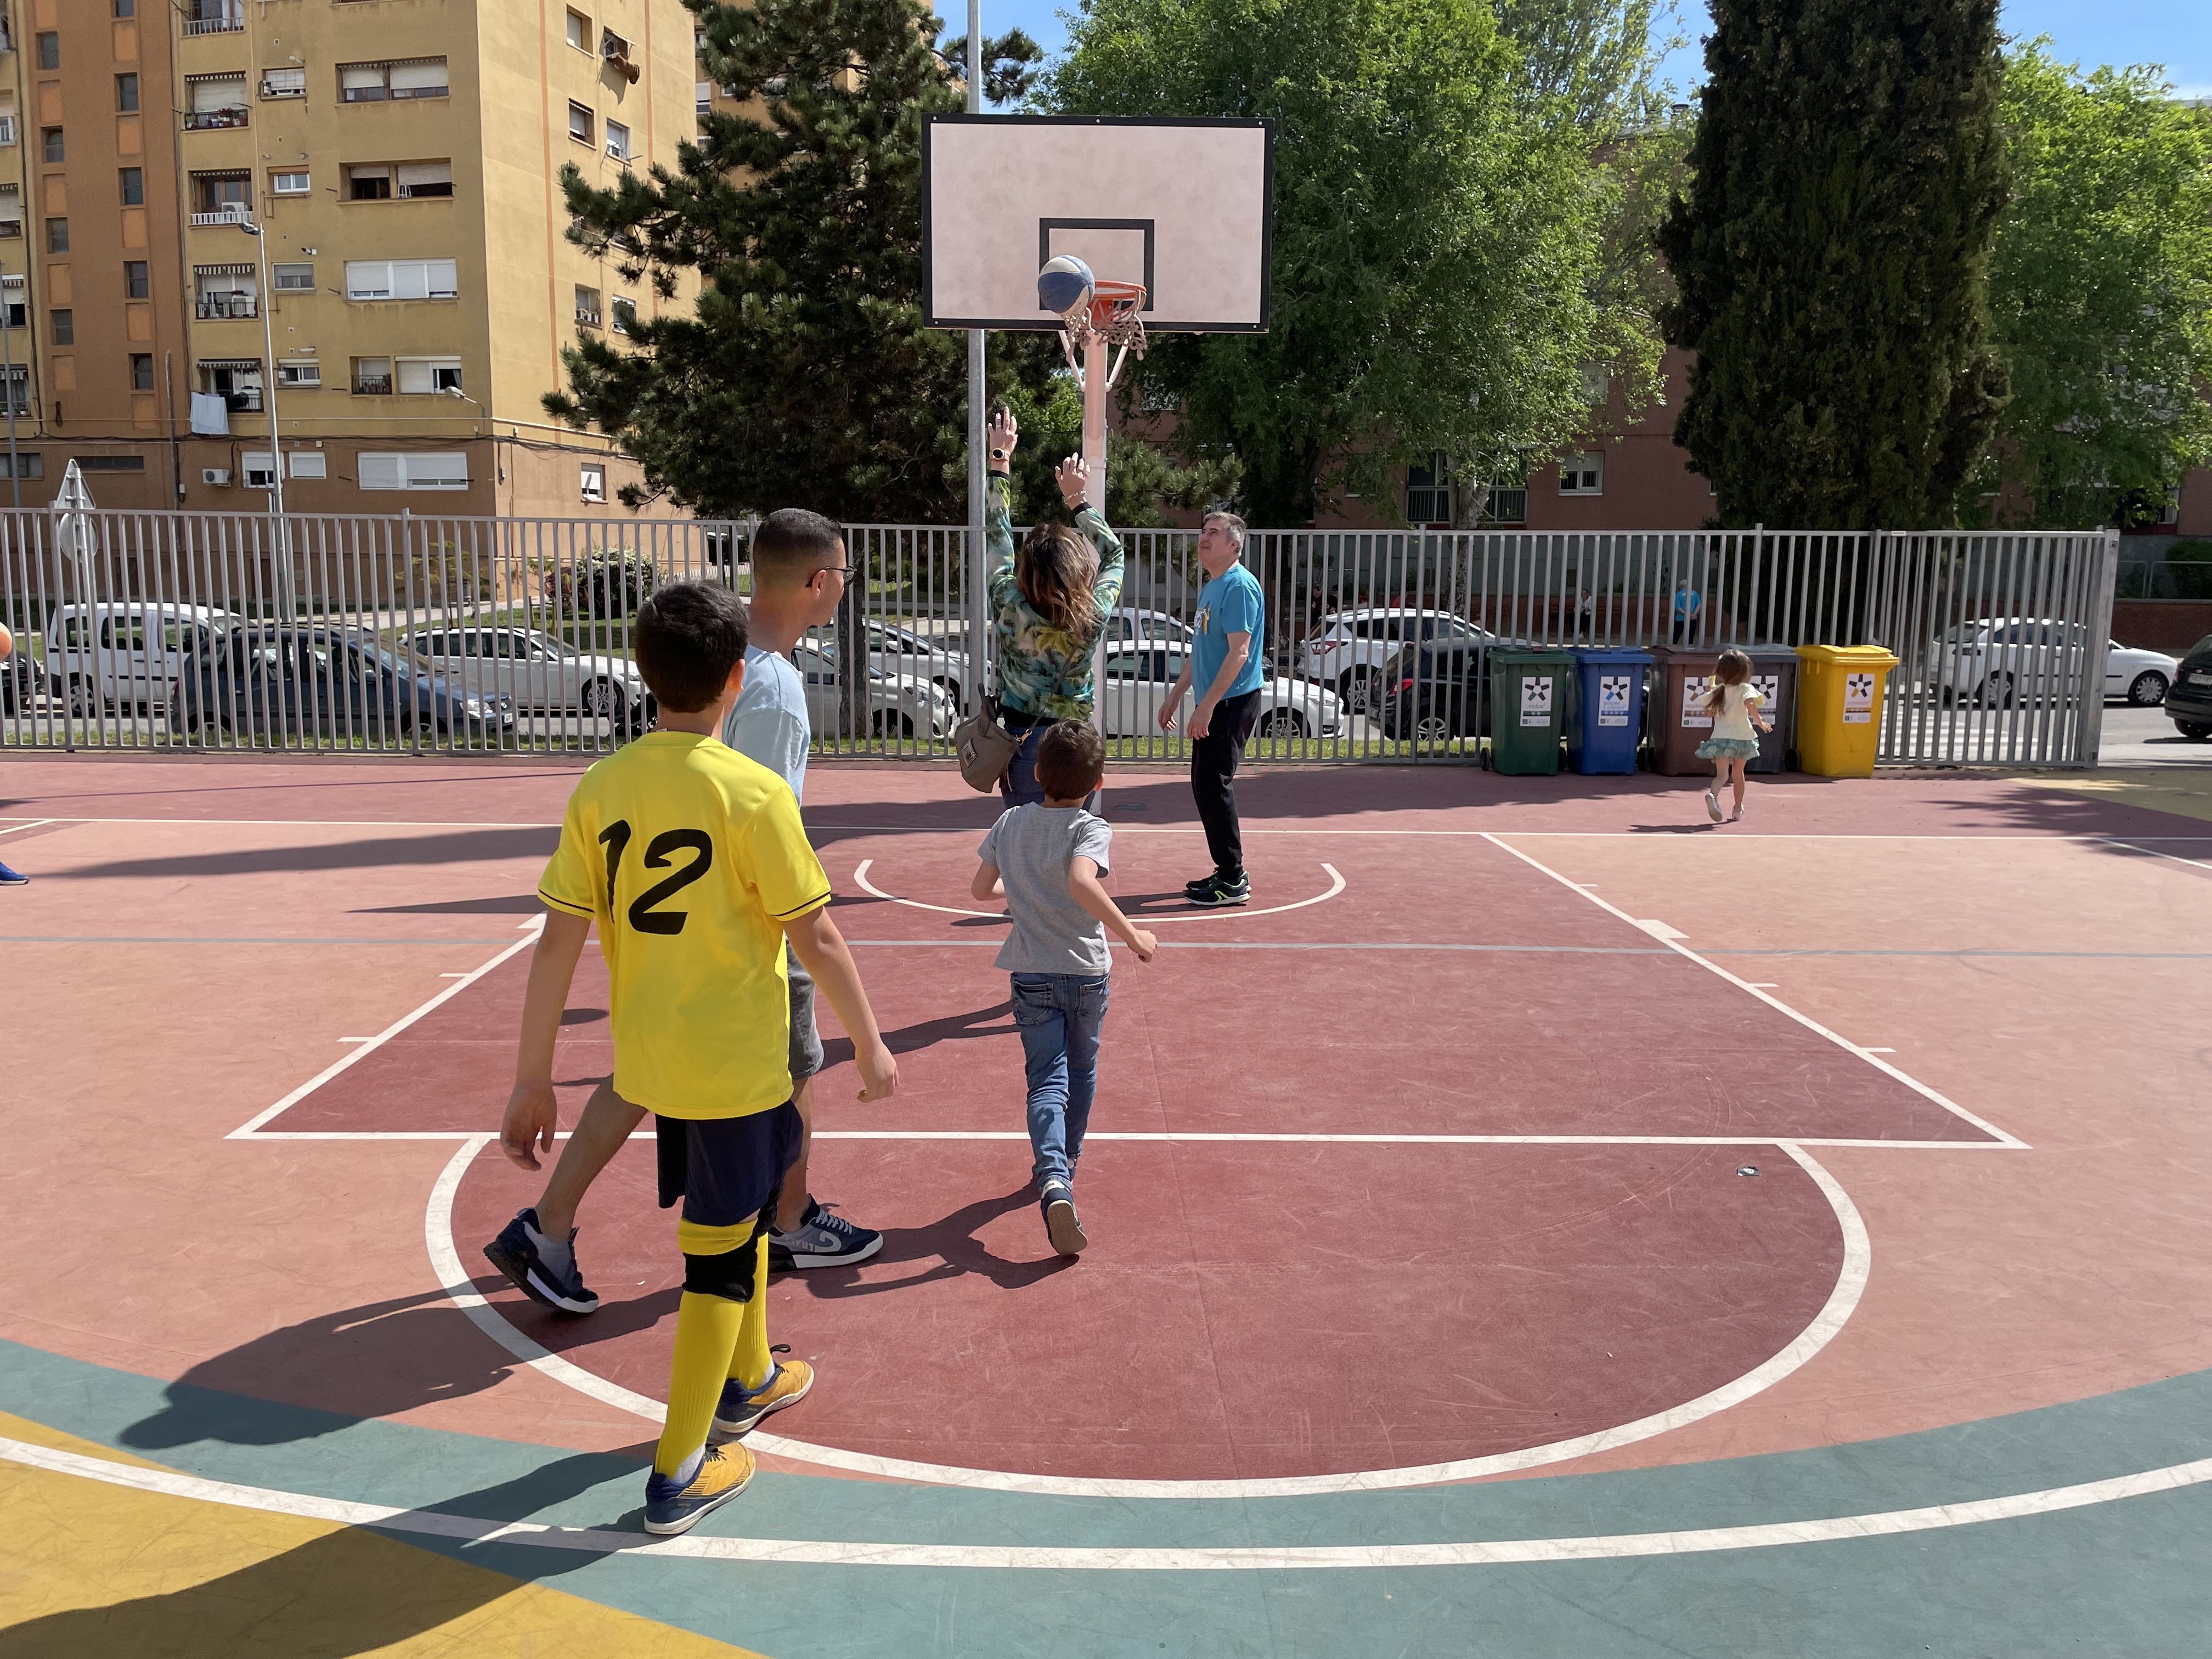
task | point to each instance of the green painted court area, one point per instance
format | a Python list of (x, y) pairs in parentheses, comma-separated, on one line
[(1543, 1224)]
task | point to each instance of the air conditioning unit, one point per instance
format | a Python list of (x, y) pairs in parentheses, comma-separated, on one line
[(215, 475), (616, 51)]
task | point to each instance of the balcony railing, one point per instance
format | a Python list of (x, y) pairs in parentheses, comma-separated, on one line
[(231, 213), (210, 120), (243, 403), (587, 318), (1506, 506), (216, 19), (11, 227), (7, 129), (372, 386), (214, 306)]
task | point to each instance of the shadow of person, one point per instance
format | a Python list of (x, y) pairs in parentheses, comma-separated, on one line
[(324, 1375), (923, 1034), (356, 1591), (957, 1250)]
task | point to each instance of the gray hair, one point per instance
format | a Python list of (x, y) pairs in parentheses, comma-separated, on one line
[(1228, 521)]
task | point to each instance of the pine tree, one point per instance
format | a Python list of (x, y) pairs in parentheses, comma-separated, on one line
[(1832, 257)]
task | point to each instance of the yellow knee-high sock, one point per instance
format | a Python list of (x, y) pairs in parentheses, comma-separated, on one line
[(706, 1332), (751, 1363)]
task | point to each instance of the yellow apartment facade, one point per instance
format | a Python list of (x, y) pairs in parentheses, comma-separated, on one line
[(345, 213)]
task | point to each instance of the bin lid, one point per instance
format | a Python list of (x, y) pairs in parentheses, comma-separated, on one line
[(1769, 653), (1531, 656), (1628, 653), (1858, 656)]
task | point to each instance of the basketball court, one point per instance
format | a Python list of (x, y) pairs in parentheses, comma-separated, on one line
[(1541, 1222)]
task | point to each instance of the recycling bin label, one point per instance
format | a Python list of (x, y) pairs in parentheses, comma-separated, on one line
[(1694, 712), (1770, 692), (1614, 695), (1858, 699), (1535, 700)]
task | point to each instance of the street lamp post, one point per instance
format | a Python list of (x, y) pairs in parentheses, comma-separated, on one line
[(282, 539)]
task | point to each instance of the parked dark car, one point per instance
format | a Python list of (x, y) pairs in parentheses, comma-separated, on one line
[(1443, 694), (2189, 699), (340, 680)]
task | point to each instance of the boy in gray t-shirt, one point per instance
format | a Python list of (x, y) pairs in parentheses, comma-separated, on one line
[(1048, 860)]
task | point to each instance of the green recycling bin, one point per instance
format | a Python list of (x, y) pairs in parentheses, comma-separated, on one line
[(1527, 708)]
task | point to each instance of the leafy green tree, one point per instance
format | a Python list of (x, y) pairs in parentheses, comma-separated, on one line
[(803, 374), (2101, 294), (1832, 257), (1435, 262), (1141, 481)]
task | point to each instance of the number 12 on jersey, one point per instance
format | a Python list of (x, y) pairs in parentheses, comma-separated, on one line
[(645, 915)]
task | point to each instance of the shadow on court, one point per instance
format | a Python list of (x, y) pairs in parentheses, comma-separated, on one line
[(461, 847), (950, 1244), (927, 1033)]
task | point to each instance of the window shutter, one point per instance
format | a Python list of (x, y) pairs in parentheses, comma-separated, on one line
[(413, 173), (429, 76), (415, 374), (442, 278), (437, 471), (382, 472), (368, 279), (227, 93), (361, 77)]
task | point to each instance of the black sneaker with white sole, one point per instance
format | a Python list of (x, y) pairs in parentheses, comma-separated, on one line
[(515, 1254), (1218, 889), (822, 1239)]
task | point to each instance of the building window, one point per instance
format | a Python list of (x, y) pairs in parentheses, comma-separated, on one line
[(6, 120), (214, 16), (141, 371), (430, 374), (126, 8), (134, 185), (214, 102), (412, 470), (1597, 381), (405, 77), (58, 236), (285, 84), (293, 279), (237, 383), (304, 375), (64, 327), (422, 180), (110, 463), (580, 124), (622, 314), (618, 141), (401, 279), (368, 184), (50, 50), (11, 211), (614, 48), (371, 377), (579, 31), (307, 464), (15, 315), (594, 482), (258, 467), (135, 281), (126, 93), (1428, 492), (50, 143), (225, 291), (16, 391), (587, 306), (29, 464), (702, 96), (288, 184), (1583, 474)]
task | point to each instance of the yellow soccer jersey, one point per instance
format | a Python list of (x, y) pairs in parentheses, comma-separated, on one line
[(691, 858)]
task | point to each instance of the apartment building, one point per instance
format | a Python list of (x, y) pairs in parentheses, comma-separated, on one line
[(327, 229)]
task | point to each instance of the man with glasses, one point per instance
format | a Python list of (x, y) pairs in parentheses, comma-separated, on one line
[(799, 567)]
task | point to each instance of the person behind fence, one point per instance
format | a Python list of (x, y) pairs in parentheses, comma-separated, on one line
[(693, 863), (1048, 855), (1734, 703), (1051, 599), (1223, 661)]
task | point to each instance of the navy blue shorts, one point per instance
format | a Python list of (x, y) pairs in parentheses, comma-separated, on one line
[(726, 1170)]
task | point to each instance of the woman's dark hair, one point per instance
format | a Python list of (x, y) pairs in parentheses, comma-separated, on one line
[(1733, 669), (1071, 760), (688, 637), (1056, 570)]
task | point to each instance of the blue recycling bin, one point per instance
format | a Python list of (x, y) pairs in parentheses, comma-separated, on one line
[(1605, 713)]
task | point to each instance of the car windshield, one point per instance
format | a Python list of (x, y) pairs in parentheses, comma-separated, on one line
[(558, 649)]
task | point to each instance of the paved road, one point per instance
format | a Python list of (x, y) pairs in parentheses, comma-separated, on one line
[(2146, 737)]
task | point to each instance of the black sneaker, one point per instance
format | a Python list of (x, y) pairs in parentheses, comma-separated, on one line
[(821, 1239), (1217, 890), (513, 1255), (1060, 1225)]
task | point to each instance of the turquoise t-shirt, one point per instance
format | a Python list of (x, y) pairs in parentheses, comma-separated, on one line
[(1230, 603)]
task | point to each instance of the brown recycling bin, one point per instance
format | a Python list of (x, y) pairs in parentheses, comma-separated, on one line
[(1676, 718)]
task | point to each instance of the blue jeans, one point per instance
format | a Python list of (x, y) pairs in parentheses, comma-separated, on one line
[(1059, 1016), (1019, 787)]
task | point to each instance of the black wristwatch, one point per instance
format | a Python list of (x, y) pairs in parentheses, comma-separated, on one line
[(998, 454)]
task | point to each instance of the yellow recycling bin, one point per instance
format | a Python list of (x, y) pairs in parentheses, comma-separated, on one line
[(1839, 707)]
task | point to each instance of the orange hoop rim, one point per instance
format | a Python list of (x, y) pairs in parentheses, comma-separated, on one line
[(1110, 299)]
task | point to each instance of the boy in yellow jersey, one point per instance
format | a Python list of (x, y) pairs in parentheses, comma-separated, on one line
[(692, 860)]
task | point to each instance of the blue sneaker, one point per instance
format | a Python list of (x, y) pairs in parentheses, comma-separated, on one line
[(741, 1407), (12, 877), (822, 1239), (722, 1474), (514, 1254)]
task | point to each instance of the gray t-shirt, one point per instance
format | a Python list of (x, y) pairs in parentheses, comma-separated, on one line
[(768, 724), (1032, 846)]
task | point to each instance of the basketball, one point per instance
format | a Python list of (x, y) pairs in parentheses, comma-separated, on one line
[(1064, 285), (6, 643)]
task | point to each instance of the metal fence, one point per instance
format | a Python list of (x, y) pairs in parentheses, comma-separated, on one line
[(425, 634)]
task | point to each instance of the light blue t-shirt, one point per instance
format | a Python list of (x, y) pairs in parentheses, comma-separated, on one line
[(1230, 603), (768, 724)]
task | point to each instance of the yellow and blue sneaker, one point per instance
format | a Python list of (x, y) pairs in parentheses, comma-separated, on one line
[(673, 1506), (741, 1407)]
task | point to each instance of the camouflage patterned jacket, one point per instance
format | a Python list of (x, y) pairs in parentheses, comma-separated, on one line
[(1044, 670)]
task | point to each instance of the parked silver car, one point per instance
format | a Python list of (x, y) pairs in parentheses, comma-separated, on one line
[(897, 650), (1356, 650), (1137, 681), (898, 705), (540, 672)]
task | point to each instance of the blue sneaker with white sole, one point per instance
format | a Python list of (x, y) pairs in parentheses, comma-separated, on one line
[(672, 1506), (515, 1254), (12, 877)]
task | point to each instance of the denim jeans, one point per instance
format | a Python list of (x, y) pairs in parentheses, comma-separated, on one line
[(1059, 1016), (1019, 787)]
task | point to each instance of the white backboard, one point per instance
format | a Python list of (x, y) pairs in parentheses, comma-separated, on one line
[(1182, 206)]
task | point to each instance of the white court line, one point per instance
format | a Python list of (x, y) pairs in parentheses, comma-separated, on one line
[(1850, 1284), (1488, 1552), (1335, 886), (1805, 1020), (247, 1131), (1849, 1143), (2194, 864), (32, 824)]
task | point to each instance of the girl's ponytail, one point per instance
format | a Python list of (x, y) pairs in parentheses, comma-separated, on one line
[(1734, 668)]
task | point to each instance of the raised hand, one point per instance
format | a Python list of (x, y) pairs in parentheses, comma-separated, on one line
[(1005, 433), (1073, 477)]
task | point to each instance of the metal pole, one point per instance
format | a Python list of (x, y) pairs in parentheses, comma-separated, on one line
[(8, 376), (269, 402), (1096, 355), (979, 626)]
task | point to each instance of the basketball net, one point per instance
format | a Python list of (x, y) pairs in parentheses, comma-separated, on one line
[(1113, 317)]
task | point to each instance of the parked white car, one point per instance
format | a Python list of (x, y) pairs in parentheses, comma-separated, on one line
[(1138, 678), (896, 650), (1998, 659), (2143, 678), (540, 672), (1356, 651), (1139, 626), (125, 653), (899, 705)]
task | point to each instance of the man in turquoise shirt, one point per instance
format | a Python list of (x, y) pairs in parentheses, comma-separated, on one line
[(1225, 661)]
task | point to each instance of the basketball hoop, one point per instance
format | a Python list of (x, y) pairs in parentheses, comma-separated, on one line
[(1113, 317)]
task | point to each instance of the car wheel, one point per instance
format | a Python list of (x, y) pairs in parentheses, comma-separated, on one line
[(1996, 692), (1282, 723), (601, 702), (889, 725), (951, 690), (1431, 728), (84, 703), (2149, 689), (2195, 731), (1356, 690)]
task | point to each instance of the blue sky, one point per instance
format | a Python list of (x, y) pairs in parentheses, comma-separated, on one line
[(2175, 32)]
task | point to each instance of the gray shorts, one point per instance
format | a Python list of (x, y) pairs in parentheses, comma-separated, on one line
[(805, 1040)]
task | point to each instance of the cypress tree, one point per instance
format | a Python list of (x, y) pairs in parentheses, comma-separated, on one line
[(1832, 257)]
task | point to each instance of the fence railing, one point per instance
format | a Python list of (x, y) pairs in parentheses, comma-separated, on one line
[(423, 633)]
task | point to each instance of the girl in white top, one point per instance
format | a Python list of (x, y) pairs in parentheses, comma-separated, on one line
[(1734, 703)]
